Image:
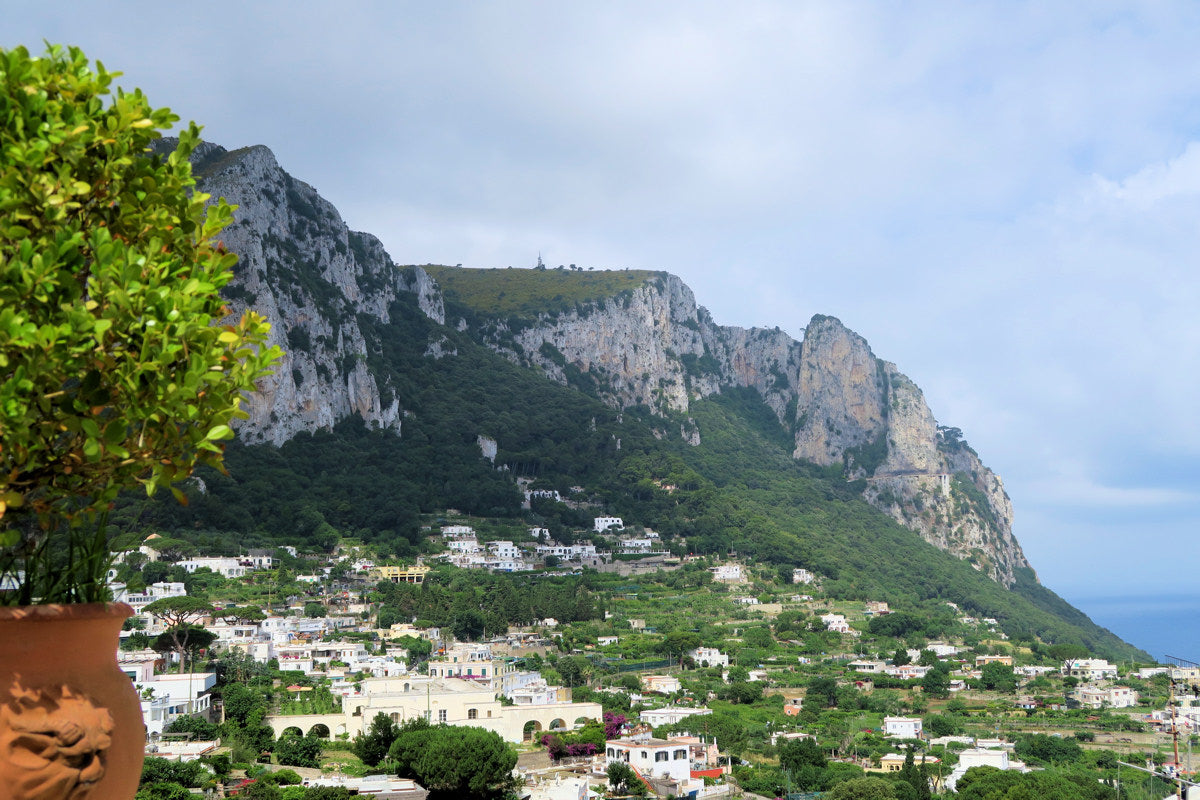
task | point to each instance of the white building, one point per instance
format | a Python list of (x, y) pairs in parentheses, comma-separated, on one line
[(173, 696), (836, 622), (1090, 696), (903, 727), (601, 524), (155, 591), (1090, 669), (504, 550), (728, 573), (709, 657), (670, 715), (982, 757), (660, 684), (463, 546), (225, 566), (802, 576), (659, 758), (457, 530), (634, 545)]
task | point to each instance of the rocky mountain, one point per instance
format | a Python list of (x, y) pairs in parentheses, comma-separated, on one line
[(629, 338), (312, 277), (652, 345)]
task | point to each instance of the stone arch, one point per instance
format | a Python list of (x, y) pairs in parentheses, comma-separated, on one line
[(531, 728), (291, 731), (557, 724), (581, 721), (320, 730)]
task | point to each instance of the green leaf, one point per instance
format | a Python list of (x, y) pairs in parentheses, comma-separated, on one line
[(220, 432)]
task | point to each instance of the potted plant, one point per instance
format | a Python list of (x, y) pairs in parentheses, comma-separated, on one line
[(117, 369)]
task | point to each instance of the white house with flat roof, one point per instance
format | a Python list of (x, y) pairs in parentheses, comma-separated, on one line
[(654, 717), (1090, 669), (659, 758), (903, 727), (601, 524)]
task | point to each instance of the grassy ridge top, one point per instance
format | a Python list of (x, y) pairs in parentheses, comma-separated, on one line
[(529, 292)]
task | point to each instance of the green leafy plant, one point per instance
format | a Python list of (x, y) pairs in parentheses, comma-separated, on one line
[(117, 365)]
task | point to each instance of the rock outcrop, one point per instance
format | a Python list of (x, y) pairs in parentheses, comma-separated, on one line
[(301, 267), (315, 281)]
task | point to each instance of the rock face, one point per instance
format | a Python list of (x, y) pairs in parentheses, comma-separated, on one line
[(301, 267), (314, 280), (655, 347)]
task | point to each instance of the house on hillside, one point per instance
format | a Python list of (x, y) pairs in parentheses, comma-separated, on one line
[(902, 727), (1089, 669), (660, 684)]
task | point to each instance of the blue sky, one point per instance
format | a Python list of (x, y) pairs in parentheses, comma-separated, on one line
[(1001, 197)]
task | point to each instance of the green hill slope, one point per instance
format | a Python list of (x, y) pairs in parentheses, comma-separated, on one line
[(739, 489)]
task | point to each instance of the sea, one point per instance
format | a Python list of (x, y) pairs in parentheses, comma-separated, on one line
[(1167, 626)]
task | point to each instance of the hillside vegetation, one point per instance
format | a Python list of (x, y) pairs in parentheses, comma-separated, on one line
[(528, 292), (740, 489)]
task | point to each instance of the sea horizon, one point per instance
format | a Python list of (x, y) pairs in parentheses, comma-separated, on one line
[(1163, 625)]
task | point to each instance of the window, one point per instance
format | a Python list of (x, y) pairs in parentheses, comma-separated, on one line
[(472, 713), (661, 755), (680, 755), (645, 755), (442, 715)]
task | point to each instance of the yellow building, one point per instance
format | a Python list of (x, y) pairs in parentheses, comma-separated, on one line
[(395, 574)]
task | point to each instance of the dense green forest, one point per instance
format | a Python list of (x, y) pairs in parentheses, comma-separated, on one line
[(738, 490)]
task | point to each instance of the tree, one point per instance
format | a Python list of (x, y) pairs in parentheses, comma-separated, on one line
[(805, 761), (622, 780), (758, 637), (456, 760), (298, 751), (200, 728), (575, 670), (900, 658), (936, 683), (234, 614), (999, 677), (189, 640), (822, 693), (116, 371), (163, 790), (314, 609), (179, 613), (372, 746), (862, 789), (261, 790), (162, 770), (677, 643)]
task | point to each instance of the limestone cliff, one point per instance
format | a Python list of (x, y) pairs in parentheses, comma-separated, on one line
[(654, 346), (647, 344), (311, 276)]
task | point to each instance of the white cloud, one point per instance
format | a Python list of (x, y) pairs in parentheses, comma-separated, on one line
[(1179, 177)]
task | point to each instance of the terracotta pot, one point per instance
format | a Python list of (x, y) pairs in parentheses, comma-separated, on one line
[(70, 721)]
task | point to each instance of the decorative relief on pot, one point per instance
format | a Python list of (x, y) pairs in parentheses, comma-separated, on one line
[(52, 743)]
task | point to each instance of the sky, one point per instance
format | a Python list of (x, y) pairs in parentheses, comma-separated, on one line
[(1001, 197)]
